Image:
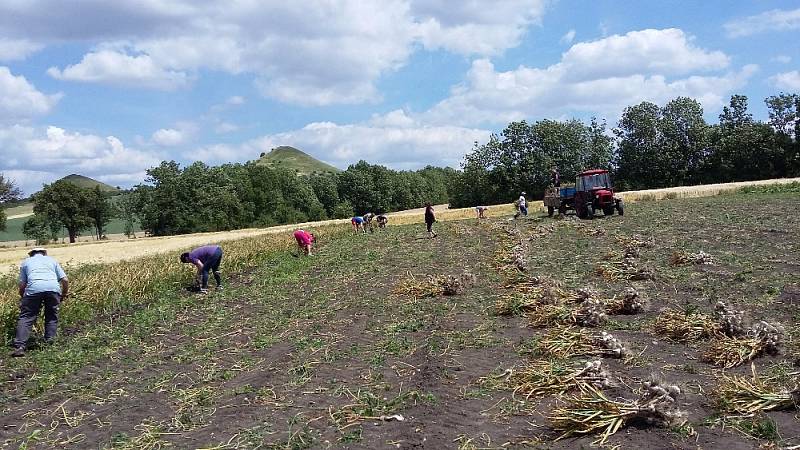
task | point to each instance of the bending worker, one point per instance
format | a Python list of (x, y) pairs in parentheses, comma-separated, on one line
[(42, 282), (304, 240), (358, 223), (206, 259)]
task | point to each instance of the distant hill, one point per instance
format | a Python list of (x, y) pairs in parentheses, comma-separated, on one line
[(293, 159), (25, 208), (86, 182)]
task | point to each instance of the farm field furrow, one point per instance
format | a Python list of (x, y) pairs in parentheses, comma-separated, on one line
[(468, 340)]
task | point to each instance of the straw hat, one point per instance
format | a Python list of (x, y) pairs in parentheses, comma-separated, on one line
[(37, 250)]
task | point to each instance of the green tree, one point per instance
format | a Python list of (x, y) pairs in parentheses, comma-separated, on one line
[(684, 134), (100, 210), (37, 228), (521, 156), (784, 117), (66, 204), (166, 207), (8, 192), (743, 149), (638, 144), (128, 209), (325, 189)]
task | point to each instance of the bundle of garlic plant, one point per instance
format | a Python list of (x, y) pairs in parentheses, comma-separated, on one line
[(592, 412), (752, 395), (685, 326), (729, 352), (543, 378)]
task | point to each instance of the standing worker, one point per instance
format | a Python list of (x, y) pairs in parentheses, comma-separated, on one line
[(206, 259), (522, 206), (555, 178), (430, 218), (42, 281), (304, 240)]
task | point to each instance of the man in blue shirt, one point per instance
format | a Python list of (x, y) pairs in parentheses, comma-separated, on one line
[(206, 259), (42, 281)]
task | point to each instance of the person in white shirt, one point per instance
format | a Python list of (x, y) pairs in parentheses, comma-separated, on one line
[(522, 206)]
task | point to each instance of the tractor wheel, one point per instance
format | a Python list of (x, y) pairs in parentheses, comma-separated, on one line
[(585, 211), (608, 211), (562, 209), (580, 211), (620, 210), (550, 211)]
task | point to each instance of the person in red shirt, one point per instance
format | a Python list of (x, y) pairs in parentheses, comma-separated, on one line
[(304, 240)]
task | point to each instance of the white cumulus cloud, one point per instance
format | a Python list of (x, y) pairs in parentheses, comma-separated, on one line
[(168, 137), (20, 100), (14, 49), (666, 52), (394, 139), (599, 77), (789, 81), (115, 68), (472, 27), (315, 52), (773, 20), (54, 152)]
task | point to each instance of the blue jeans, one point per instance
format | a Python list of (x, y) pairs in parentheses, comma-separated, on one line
[(29, 308), (212, 265)]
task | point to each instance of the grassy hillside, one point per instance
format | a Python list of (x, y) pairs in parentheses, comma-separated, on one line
[(25, 209), (86, 182), (20, 209), (357, 346), (293, 159)]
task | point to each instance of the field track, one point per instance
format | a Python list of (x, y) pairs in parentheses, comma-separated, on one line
[(120, 248)]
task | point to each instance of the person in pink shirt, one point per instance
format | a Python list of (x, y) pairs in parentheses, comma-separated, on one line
[(304, 240)]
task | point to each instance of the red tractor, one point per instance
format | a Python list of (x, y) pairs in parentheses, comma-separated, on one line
[(592, 191)]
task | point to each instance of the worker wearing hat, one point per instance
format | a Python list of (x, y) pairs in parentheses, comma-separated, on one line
[(522, 206), (42, 282)]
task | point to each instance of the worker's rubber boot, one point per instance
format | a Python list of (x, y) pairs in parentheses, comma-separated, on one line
[(18, 352)]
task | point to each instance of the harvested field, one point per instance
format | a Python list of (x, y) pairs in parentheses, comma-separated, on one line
[(346, 350)]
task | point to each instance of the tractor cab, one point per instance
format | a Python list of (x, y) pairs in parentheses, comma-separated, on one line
[(592, 180)]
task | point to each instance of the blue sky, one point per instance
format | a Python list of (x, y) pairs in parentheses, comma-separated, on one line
[(109, 89)]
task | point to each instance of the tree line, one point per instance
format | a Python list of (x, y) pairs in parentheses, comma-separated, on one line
[(200, 198), (652, 146)]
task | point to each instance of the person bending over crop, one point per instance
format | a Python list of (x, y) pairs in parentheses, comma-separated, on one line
[(382, 221), (368, 222), (481, 211), (42, 282), (358, 224), (430, 218), (304, 240), (206, 259)]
